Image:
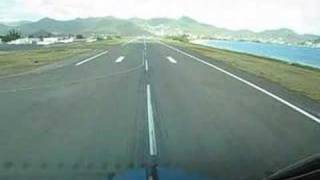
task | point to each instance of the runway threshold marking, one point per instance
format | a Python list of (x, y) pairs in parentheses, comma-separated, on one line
[(151, 128), (91, 58), (292, 106)]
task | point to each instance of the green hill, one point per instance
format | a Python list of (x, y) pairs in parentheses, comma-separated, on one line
[(109, 25), (3, 29), (178, 26), (155, 26)]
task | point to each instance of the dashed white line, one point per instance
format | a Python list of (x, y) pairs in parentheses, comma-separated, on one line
[(91, 58), (119, 59), (152, 134), (146, 65), (305, 113), (171, 60)]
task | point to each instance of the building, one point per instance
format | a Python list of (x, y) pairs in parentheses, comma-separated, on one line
[(47, 41), (42, 41), (66, 40), (21, 41), (24, 41)]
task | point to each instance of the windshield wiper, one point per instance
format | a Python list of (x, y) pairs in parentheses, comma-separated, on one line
[(306, 169)]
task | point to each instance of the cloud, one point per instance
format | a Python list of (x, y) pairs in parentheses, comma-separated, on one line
[(300, 15)]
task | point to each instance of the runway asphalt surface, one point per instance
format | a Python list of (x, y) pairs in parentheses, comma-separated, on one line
[(145, 103)]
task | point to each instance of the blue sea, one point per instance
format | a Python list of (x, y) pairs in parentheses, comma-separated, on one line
[(291, 54)]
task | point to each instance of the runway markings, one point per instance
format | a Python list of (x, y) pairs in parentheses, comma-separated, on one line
[(91, 58), (173, 61), (152, 134), (294, 107), (119, 59), (146, 65)]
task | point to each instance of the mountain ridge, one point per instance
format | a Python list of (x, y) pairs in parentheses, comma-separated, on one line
[(80, 26), (158, 26)]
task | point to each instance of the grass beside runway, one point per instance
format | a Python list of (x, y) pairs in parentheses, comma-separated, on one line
[(21, 60), (300, 79)]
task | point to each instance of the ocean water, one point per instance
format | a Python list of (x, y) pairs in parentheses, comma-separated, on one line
[(291, 54)]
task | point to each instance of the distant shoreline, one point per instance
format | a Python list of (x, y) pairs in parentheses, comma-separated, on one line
[(282, 60), (257, 41)]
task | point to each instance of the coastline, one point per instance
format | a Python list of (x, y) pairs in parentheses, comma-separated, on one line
[(273, 58)]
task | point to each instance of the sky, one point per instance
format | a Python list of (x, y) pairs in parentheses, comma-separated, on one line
[(303, 16)]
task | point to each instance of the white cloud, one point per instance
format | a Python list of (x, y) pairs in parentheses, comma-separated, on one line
[(300, 15)]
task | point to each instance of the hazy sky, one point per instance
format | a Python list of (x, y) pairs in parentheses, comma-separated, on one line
[(302, 16)]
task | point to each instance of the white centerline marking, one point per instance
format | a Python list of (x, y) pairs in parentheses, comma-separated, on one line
[(248, 83), (152, 134), (171, 60), (146, 65), (119, 59), (91, 58)]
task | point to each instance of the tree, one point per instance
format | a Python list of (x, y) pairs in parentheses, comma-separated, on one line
[(99, 38), (11, 35), (79, 36), (182, 38)]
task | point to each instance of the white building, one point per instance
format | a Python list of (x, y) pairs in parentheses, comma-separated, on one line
[(49, 40), (24, 41), (21, 41), (66, 40)]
